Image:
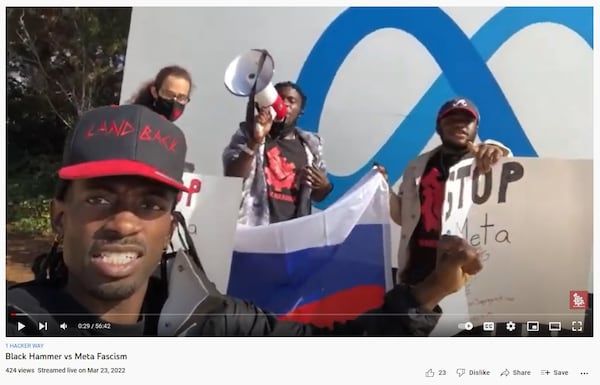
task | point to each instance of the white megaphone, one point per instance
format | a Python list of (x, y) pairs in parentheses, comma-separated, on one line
[(243, 72)]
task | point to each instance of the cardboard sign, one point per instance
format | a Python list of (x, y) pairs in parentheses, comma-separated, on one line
[(211, 213), (532, 217)]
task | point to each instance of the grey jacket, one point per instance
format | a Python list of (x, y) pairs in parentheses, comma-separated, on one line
[(254, 206)]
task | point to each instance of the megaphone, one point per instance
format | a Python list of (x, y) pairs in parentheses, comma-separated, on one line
[(243, 72)]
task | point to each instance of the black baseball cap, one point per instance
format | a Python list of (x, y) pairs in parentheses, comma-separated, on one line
[(458, 103), (125, 140)]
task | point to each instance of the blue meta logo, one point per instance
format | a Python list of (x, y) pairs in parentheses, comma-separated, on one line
[(464, 72)]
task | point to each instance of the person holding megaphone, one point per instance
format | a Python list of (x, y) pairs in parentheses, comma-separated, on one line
[(282, 165)]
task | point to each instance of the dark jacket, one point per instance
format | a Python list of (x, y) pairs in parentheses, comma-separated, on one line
[(37, 302)]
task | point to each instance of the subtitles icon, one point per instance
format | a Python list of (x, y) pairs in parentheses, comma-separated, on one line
[(461, 372), (578, 300), (488, 326)]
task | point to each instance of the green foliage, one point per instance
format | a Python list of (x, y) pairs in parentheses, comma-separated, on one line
[(61, 62), (71, 58), (29, 195), (34, 219)]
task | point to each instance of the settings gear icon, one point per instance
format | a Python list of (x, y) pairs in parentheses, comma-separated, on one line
[(510, 326)]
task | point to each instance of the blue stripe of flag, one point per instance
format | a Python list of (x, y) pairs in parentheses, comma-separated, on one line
[(281, 282)]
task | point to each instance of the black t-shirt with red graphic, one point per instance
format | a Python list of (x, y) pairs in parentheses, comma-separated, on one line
[(424, 240), (284, 158)]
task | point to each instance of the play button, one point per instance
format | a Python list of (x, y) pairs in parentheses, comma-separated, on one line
[(20, 326)]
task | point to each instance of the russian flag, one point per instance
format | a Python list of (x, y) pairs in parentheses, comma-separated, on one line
[(330, 266)]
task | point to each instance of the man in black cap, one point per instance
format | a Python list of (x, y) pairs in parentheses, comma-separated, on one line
[(418, 205), (114, 212)]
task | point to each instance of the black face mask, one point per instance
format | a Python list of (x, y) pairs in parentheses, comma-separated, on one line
[(170, 109)]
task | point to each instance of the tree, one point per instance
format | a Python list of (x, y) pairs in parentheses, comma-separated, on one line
[(61, 62)]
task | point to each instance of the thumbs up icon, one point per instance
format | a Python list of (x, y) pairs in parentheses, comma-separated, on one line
[(429, 373)]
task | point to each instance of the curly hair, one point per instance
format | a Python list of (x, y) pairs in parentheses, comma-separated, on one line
[(144, 95), (296, 87), (51, 267)]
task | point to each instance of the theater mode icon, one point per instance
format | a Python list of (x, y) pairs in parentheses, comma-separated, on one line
[(554, 326)]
